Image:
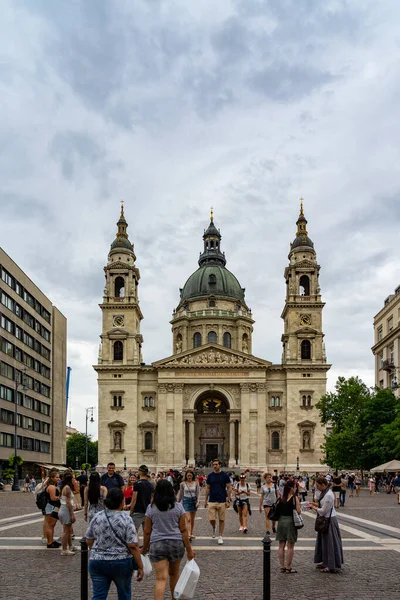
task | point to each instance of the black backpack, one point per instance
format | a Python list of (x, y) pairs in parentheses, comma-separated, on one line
[(41, 499)]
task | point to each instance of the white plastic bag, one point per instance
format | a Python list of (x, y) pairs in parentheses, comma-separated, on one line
[(186, 586), (147, 567)]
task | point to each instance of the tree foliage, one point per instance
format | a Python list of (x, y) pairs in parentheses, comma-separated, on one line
[(365, 425), (76, 451)]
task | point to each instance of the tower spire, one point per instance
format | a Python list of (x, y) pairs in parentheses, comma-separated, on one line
[(301, 221), (121, 238), (212, 245)]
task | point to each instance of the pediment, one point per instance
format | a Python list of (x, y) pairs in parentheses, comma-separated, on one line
[(306, 423), (115, 424), (275, 424), (148, 425), (117, 333), (306, 331), (214, 356), (307, 264)]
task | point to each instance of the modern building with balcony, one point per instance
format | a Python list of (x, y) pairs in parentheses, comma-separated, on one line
[(387, 343), (33, 354)]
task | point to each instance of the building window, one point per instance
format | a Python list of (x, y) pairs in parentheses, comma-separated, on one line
[(212, 280), (197, 340), (275, 440), (151, 401), (390, 324), (118, 350), (275, 401), (212, 337), (211, 304), (381, 384), (119, 287), (148, 440), (391, 354), (117, 401), (227, 339), (380, 333), (304, 286), (381, 361), (146, 402), (306, 349)]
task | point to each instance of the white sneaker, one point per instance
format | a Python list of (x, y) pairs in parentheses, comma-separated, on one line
[(241, 528), (67, 552), (44, 540), (73, 548), (213, 534), (220, 540)]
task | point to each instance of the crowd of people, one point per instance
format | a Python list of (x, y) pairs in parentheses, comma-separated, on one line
[(162, 508)]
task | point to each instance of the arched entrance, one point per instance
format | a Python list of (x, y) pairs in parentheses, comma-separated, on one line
[(211, 428)]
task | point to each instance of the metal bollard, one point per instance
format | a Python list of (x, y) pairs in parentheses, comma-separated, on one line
[(267, 568), (84, 569)]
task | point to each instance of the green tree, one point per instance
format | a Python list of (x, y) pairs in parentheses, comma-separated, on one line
[(76, 450)]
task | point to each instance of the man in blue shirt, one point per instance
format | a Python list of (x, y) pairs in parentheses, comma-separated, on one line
[(111, 479), (218, 497)]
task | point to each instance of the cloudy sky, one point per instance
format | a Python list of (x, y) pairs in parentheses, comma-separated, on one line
[(177, 105)]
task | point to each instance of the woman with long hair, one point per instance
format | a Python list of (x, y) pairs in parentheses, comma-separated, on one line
[(328, 548), (94, 496), (66, 514), (112, 538), (166, 534), (128, 490), (52, 507), (287, 532), (269, 495), (242, 493), (189, 494)]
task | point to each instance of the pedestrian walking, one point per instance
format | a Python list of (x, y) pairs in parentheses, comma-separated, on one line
[(350, 484), (143, 490), (218, 498), (189, 496), (357, 483), (371, 485), (32, 485), (337, 488), (112, 539), (258, 484), (66, 515), (242, 494), (269, 495), (52, 508), (396, 485), (328, 548), (343, 486), (94, 496), (27, 481), (287, 532), (167, 537), (111, 479)]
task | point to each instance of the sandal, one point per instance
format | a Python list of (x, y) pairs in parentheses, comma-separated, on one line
[(283, 569), (290, 570), (325, 570), (321, 566)]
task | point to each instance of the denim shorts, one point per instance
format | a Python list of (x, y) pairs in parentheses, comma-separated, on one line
[(170, 550), (51, 511)]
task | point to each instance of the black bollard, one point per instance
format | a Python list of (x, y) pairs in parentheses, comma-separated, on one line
[(84, 569), (267, 568)]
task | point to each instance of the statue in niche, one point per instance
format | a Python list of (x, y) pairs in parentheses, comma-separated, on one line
[(117, 440), (178, 346), (306, 440), (245, 346)]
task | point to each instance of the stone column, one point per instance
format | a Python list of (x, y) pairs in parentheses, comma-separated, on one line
[(261, 430), (244, 438), (191, 442), (162, 426), (220, 335), (179, 450), (232, 442)]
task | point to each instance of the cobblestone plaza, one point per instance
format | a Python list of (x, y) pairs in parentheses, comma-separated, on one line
[(371, 541)]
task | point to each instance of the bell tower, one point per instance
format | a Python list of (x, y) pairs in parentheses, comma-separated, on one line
[(302, 339), (121, 341)]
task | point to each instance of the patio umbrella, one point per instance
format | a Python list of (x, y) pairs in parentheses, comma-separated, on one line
[(393, 465)]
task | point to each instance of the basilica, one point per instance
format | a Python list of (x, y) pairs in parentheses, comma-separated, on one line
[(212, 397)]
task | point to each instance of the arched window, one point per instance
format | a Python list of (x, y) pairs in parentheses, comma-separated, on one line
[(308, 400), (306, 349), (151, 402), (197, 340), (304, 285), (275, 440), (148, 440), (212, 337), (272, 401), (146, 401), (227, 340), (118, 351), (304, 400), (211, 304), (119, 287), (212, 280), (277, 401)]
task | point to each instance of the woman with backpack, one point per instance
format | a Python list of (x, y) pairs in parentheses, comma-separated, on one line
[(269, 495), (94, 496), (242, 493), (189, 495)]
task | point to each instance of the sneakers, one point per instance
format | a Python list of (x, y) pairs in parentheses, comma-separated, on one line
[(220, 540), (73, 548), (67, 552), (54, 545), (213, 534), (241, 528), (244, 529), (44, 540)]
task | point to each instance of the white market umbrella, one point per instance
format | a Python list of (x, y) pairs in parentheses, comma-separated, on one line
[(393, 465)]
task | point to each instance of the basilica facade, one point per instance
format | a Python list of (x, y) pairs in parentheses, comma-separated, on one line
[(212, 397)]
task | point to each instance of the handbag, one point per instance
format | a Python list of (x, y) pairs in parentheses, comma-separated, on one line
[(322, 523), (135, 565), (187, 582), (298, 520), (274, 511)]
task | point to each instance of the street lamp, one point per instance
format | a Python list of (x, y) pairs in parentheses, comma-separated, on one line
[(89, 411), (298, 465), (15, 487)]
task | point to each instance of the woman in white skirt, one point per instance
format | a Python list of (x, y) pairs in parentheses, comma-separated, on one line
[(328, 548)]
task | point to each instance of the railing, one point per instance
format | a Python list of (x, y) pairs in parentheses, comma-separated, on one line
[(387, 365), (213, 312)]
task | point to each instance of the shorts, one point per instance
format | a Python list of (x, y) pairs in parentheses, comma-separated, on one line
[(51, 511), (170, 550), (397, 489), (214, 508), (351, 486), (64, 516), (138, 520), (337, 494), (189, 504)]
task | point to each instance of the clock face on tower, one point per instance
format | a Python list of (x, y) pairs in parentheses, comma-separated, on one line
[(118, 321), (305, 319)]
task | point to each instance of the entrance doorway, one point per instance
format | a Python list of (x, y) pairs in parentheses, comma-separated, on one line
[(211, 452)]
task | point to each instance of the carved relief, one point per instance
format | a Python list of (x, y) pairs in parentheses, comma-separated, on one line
[(213, 358)]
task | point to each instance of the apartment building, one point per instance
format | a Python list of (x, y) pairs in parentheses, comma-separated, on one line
[(33, 354), (386, 349)]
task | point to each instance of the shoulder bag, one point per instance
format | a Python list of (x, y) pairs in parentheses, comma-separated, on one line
[(322, 523), (274, 511), (135, 565)]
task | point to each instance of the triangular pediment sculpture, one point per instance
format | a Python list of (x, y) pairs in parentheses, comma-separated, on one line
[(116, 423), (306, 424), (275, 424), (212, 355)]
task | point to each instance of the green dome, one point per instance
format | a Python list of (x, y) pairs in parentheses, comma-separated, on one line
[(121, 242), (212, 280)]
